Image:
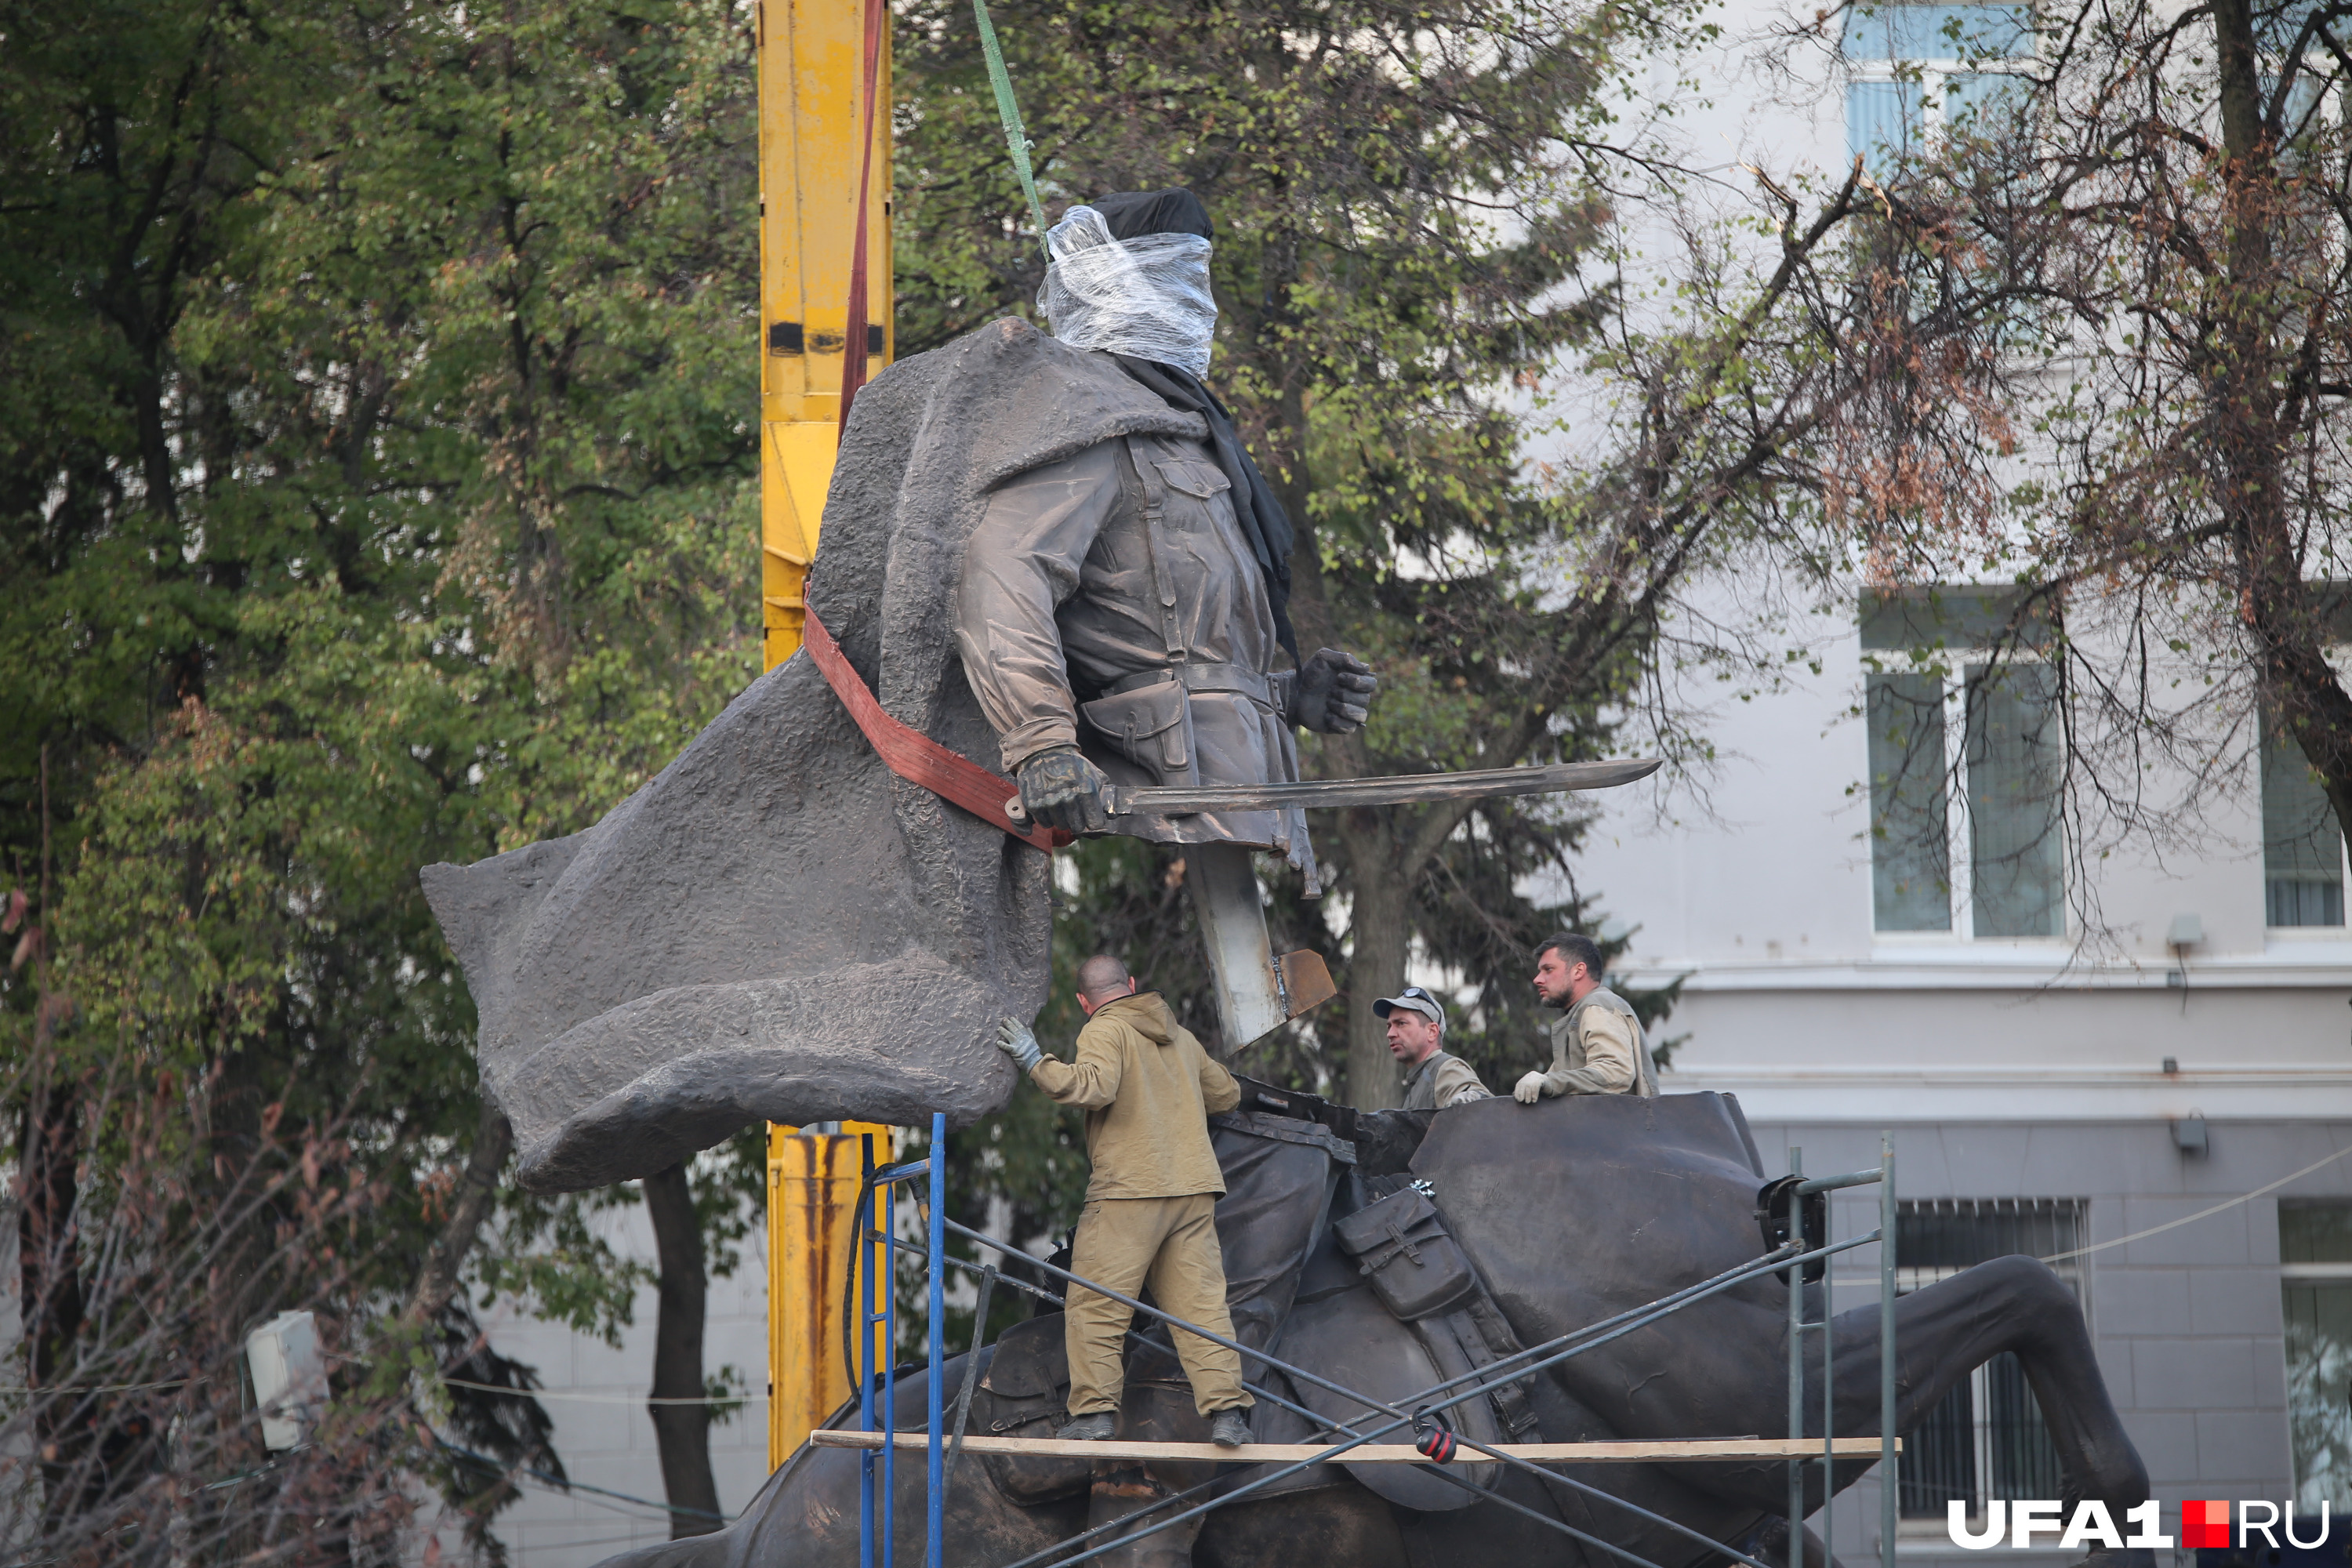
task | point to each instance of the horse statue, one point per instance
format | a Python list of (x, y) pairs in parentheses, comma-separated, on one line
[(1569, 1213)]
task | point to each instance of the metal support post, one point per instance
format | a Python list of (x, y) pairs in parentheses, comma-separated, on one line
[(878, 1336), (888, 1319), (812, 123), (862, 1263), (934, 1521), (1232, 911), (813, 1224), (1797, 1374), (1829, 1402), (1889, 1483)]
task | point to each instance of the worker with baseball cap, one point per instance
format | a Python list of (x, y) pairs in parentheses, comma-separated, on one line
[(1433, 1078)]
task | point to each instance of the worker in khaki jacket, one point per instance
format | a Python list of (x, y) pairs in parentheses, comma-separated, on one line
[(1433, 1077), (1596, 1044), (1150, 1215)]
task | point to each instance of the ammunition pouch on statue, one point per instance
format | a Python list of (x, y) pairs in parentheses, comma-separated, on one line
[(1421, 1275), (1401, 1244), (1151, 726)]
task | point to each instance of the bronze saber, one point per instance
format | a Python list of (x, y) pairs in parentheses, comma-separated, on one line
[(1394, 789)]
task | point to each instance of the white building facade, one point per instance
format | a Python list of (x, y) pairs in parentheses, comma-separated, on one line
[(1877, 927), (2134, 1061)]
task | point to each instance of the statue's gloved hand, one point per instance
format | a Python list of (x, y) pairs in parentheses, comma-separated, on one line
[(1333, 693), (1529, 1089), (1013, 1038), (1061, 789)]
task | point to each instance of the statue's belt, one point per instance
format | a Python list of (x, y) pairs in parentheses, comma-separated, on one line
[(1237, 679), (915, 756)]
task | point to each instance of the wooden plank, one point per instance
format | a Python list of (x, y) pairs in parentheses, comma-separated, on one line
[(1680, 1451)]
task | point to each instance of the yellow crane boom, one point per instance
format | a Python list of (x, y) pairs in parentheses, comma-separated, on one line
[(810, 123)]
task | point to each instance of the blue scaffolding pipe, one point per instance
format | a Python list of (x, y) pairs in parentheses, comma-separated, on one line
[(935, 1522), (876, 1503)]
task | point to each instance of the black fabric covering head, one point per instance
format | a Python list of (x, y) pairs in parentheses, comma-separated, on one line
[(1131, 214)]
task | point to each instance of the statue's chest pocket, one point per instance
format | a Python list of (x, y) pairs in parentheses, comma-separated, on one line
[(1193, 492)]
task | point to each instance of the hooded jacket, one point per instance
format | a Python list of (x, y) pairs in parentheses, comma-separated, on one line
[(1148, 1089)]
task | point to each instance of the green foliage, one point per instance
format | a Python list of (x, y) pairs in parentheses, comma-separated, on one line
[(377, 487)]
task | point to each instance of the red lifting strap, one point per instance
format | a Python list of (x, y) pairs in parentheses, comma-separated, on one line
[(913, 755), (854, 353)]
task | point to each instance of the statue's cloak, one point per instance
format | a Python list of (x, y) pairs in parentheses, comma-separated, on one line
[(777, 927)]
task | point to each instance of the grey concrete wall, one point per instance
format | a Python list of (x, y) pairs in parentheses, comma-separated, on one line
[(2186, 1323)]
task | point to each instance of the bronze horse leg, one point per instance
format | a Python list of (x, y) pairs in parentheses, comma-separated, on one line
[(1943, 1332), (1948, 1329)]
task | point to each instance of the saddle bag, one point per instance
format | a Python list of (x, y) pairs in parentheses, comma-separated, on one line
[(1023, 1394), (1400, 1244)]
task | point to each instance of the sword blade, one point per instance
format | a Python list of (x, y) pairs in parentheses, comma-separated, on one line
[(1396, 789)]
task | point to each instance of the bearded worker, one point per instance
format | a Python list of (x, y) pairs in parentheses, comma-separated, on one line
[(1150, 1218), (1119, 611), (1596, 1043)]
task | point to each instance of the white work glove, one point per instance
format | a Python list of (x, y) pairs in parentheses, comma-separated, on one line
[(1013, 1038), (1530, 1089)]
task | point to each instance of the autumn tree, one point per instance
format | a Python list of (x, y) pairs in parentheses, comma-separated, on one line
[(2099, 345)]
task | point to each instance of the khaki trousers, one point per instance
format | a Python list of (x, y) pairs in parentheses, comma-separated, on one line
[(1170, 1244)]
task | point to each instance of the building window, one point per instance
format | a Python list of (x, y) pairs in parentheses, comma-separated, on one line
[(2015, 761), (2303, 847), (1963, 663), (1918, 70), (2315, 1280), (1910, 842), (1986, 1438), (1882, 123)]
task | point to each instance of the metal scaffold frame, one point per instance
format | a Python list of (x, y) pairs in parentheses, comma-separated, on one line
[(1424, 1412), (882, 1238)]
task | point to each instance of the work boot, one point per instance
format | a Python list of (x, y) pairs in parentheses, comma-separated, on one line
[(1229, 1429), (1095, 1428)]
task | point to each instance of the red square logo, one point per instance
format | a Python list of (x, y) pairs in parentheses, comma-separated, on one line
[(2205, 1524)]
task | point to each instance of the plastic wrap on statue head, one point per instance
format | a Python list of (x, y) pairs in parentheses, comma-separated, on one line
[(1146, 296)]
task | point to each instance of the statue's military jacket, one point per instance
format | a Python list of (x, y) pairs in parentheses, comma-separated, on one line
[(1109, 601)]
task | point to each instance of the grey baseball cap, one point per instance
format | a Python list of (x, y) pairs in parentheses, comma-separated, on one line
[(1413, 999)]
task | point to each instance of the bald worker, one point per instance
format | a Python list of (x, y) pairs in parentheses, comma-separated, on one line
[(1152, 1203)]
